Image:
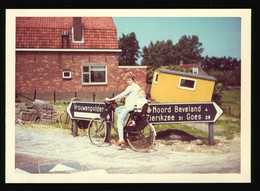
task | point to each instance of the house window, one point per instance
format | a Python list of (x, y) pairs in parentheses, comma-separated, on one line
[(66, 74), (187, 83), (195, 70), (156, 75), (94, 75)]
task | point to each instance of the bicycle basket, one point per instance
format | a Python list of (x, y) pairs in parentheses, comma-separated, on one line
[(105, 112), (113, 106)]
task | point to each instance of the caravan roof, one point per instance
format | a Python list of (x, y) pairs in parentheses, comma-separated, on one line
[(186, 74)]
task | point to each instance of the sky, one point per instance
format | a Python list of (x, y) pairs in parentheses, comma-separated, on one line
[(220, 36)]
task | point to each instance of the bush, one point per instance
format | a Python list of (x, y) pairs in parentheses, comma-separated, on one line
[(217, 94), (227, 78), (149, 74)]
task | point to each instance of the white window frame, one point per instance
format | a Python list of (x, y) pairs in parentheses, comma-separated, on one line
[(64, 76), (74, 41), (89, 73), (156, 75), (195, 70), (187, 88)]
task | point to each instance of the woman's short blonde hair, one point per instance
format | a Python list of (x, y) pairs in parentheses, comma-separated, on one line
[(142, 91), (130, 75)]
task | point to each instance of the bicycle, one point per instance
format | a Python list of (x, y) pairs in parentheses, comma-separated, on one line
[(140, 138), (65, 121)]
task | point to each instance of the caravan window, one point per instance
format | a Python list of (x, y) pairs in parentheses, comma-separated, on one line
[(187, 83), (155, 80)]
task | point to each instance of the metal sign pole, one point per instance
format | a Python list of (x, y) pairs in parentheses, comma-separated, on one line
[(108, 138), (74, 128), (211, 133)]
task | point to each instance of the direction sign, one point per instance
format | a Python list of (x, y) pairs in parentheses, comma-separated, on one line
[(158, 112), (85, 110), (183, 112)]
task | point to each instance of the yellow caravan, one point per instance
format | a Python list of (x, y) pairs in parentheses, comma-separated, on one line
[(175, 86)]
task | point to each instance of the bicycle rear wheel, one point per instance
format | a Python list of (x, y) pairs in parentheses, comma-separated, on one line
[(141, 139), (97, 131), (65, 121)]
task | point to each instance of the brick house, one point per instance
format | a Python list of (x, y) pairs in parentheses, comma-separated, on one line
[(64, 55), (196, 68)]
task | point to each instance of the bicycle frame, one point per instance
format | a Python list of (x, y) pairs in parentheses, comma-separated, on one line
[(112, 122)]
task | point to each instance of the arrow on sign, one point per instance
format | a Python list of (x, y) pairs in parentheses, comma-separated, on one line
[(216, 111)]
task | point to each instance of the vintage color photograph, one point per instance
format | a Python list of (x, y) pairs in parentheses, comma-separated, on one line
[(109, 94)]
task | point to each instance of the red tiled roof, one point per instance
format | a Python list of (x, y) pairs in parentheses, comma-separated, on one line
[(187, 66), (190, 66), (45, 32)]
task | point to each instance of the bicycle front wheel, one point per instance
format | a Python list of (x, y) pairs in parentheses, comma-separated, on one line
[(97, 131), (141, 139), (65, 121)]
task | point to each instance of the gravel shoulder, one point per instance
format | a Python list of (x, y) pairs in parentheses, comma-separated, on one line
[(167, 157)]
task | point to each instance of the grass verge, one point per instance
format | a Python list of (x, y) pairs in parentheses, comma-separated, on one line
[(228, 125)]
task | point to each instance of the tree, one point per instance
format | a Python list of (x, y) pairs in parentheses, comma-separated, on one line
[(221, 64), (159, 54), (189, 49), (130, 50), (163, 53), (226, 70)]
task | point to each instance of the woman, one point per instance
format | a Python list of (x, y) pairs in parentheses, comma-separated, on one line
[(131, 94)]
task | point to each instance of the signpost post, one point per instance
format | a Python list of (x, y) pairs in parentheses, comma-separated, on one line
[(74, 128), (211, 133), (159, 113)]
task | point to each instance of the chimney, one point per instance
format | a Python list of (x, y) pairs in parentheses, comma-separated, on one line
[(77, 29), (199, 64), (181, 62)]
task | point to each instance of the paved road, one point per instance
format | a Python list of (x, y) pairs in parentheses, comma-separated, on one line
[(37, 148)]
